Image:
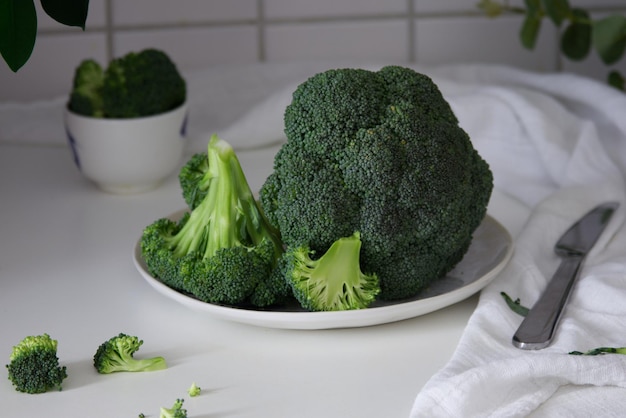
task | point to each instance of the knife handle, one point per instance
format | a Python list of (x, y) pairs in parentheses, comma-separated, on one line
[(537, 329)]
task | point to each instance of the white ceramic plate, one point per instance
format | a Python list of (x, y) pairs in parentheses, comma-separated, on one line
[(489, 253)]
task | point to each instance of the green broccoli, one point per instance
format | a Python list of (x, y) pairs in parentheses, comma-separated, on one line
[(193, 179), (86, 95), (34, 365), (116, 355), (334, 281), (142, 84), (137, 84), (379, 152), (224, 250), (176, 411), (194, 390)]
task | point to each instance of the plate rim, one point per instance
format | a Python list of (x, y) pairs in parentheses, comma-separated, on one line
[(333, 319)]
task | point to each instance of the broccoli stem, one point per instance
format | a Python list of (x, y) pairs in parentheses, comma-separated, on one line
[(126, 362), (228, 216), (337, 272)]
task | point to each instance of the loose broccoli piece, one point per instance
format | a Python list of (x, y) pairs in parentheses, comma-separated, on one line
[(194, 390), (333, 282), (176, 411), (142, 84), (34, 365), (194, 180), (116, 355), (86, 95), (224, 250), (379, 152)]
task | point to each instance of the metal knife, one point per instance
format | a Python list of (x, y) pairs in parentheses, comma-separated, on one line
[(538, 327)]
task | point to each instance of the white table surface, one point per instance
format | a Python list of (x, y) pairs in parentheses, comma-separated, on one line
[(66, 269)]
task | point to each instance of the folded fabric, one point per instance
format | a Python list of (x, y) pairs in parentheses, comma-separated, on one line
[(546, 147)]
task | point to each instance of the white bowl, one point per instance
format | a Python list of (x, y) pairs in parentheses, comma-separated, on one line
[(127, 155)]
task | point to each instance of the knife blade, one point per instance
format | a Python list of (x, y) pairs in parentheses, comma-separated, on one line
[(538, 327)]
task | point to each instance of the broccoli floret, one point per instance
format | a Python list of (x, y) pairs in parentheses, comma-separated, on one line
[(86, 95), (193, 179), (34, 365), (334, 281), (116, 355), (379, 152), (194, 390), (224, 250), (176, 411), (142, 84)]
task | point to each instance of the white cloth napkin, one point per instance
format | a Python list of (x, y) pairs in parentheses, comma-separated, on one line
[(557, 144)]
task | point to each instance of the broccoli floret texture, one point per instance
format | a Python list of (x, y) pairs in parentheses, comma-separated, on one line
[(334, 281), (137, 84), (34, 366), (382, 153)]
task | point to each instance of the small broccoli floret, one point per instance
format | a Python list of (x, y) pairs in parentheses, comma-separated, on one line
[(194, 390), (34, 365), (382, 153), (193, 179), (176, 411), (86, 95), (116, 355), (333, 282), (142, 84), (224, 249)]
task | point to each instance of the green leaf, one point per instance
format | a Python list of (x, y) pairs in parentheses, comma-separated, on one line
[(18, 31), (600, 350), (557, 10), (576, 38), (490, 7), (609, 38), (617, 80), (533, 7), (67, 12), (530, 31), (515, 305)]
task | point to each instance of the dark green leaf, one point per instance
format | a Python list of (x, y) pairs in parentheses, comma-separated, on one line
[(600, 350), (533, 7), (557, 10), (67, 12), (576, 38), (515, 305), (530, 31), (617, 80), (18, 31), (609, 38), (490, 7)]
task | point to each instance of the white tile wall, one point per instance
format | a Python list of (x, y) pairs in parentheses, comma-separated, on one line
[(360, 40), (457, 39), (202, 33)]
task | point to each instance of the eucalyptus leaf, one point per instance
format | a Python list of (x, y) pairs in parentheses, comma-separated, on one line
[(533, 7), (576, 38), (18, 31), (617, 80), (530, 31), (609, 38), (67, 12), (557, 10)]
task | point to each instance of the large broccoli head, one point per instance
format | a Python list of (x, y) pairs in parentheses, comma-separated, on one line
[(379, 152)]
